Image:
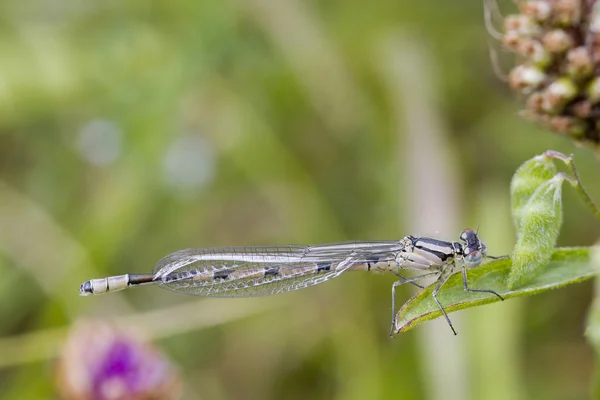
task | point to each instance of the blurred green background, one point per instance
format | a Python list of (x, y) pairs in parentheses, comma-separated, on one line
[(129, 130)]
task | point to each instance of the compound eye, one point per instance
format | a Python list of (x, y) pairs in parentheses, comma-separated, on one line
[(463, 236), (473, 259)]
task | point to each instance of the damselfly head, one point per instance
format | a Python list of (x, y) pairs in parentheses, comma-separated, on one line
[(474, 250)]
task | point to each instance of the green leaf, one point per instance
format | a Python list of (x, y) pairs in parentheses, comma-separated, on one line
[(528, 178), (567, 266), (541, 219)]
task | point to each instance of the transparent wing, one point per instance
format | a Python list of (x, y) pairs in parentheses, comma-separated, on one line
[(259, 271)]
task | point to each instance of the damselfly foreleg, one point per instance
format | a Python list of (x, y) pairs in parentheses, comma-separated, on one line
[(468, 289)]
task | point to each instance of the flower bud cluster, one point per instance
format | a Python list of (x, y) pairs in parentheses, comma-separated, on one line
[(557, 43)]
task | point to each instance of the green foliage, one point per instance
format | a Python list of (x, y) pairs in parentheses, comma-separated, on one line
[(536, 197), (567, 266), (528, 178), (541, 219)]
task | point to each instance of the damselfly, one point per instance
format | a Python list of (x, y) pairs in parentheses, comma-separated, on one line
[(258, 271)]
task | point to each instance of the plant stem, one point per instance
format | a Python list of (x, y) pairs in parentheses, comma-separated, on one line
[(576, 183), (592, 330)]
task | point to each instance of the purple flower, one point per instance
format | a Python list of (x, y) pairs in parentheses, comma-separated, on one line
[(100, 362)]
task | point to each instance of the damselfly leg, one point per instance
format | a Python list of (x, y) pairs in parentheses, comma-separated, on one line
[(401, 282), (468, 289), (402, 277), (441, 281)]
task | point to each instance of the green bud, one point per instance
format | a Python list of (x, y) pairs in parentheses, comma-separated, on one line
[(531, 175), (541, 219)]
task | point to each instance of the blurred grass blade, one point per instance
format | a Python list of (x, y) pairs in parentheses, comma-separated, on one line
[(567, 266)]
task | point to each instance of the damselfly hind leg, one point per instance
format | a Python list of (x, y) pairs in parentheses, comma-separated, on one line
[(468, 289), (403, 278), (400, 282)]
